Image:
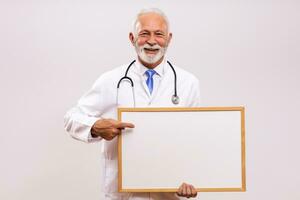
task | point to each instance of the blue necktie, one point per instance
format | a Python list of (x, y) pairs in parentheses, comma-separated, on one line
[(149, 81)]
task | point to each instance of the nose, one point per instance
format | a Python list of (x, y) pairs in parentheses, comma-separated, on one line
[(152, 41)]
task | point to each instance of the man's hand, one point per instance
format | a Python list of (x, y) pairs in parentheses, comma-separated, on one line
[(186, 190), (108, 128)]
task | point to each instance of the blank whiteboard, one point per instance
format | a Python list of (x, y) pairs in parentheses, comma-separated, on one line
[(204, 147)]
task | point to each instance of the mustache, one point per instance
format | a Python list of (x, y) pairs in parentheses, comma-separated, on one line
[(153, 47)]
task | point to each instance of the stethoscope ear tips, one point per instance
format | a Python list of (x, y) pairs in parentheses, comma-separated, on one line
[(175, 99)]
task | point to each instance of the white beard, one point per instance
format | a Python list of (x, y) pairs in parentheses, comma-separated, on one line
[(150, 58)]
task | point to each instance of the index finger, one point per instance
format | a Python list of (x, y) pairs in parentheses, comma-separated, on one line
[(123, 125)]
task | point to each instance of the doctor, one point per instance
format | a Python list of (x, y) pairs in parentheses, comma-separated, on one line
[(94, 117)]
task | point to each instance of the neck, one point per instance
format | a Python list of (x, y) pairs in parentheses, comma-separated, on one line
[(151, 65)]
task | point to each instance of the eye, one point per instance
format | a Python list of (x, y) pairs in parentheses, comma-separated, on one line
[(143, 34), (159, 34)]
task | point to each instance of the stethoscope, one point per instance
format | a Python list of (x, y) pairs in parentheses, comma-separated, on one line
[(174, 99)]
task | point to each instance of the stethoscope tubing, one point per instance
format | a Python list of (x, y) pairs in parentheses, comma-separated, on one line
[(174, 99), (126, 77)]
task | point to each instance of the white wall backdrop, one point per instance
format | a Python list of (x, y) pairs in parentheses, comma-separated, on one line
[(244, 53)]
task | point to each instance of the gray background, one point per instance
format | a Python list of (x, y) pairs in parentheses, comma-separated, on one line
[(243, 52)]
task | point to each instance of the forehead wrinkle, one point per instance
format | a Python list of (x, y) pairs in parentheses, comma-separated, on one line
[(151, 22)]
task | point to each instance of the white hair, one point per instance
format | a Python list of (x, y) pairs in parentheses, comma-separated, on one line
[(146, 11)]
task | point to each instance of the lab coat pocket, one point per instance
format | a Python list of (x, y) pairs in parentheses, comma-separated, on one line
[(111, 180)]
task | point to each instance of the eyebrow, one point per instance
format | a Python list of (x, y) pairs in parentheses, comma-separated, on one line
[(157, 31)]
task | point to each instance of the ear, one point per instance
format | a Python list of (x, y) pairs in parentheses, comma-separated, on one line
[(169, 38), (131, 38)]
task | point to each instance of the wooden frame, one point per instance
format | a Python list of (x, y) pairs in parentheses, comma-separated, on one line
[(241, 160)]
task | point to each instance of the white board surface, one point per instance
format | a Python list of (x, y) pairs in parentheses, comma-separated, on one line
[(167, 148)]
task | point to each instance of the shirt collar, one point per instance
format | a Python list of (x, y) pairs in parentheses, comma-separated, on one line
[(159, 69)]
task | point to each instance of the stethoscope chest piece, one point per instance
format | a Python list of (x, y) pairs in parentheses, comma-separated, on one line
[(175, 99)]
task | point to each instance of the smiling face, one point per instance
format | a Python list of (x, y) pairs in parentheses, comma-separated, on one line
[(151, 39)]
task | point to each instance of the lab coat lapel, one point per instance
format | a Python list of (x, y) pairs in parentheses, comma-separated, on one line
[(141, 72), (143, 82), (146, 89)]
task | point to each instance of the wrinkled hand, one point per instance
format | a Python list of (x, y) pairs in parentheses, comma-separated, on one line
[(186, 190), (109, 128)]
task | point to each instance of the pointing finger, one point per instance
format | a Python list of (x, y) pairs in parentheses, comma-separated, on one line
[(123, 125)]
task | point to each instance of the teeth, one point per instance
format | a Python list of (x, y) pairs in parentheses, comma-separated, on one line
[(151, 49)]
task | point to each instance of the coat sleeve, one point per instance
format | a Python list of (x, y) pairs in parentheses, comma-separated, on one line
[(79, 120)]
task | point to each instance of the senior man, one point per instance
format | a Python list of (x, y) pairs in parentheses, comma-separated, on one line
[(94, 117)]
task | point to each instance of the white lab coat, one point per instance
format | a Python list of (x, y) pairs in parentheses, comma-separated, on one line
[(101, 102)]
